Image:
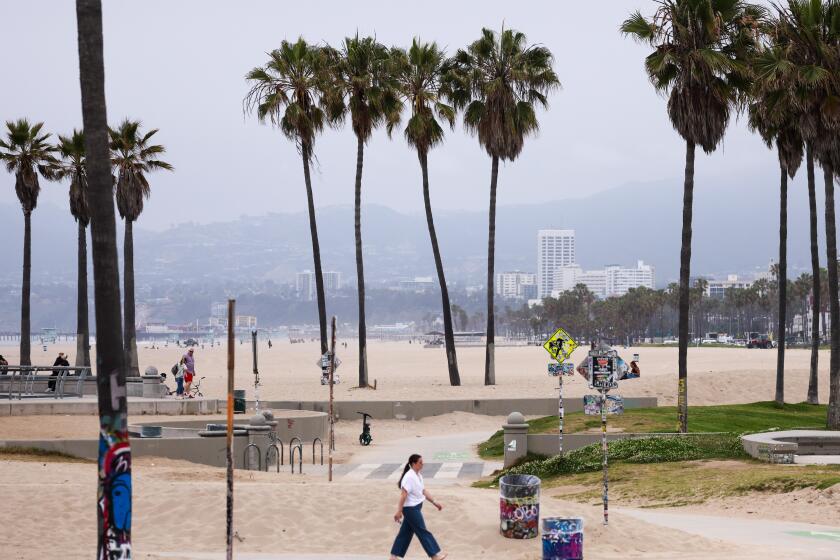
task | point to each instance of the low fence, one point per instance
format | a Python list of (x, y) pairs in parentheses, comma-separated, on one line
[(19, 382)]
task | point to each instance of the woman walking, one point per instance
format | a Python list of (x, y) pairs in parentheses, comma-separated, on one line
[(412, 495)]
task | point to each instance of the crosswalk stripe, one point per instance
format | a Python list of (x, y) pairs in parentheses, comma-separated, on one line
[(449, 470), (362, 471)]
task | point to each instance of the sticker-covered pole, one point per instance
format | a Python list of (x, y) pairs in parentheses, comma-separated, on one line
[(229, 447), (332, 417), (560, 411), (256, 370), (604, 448)]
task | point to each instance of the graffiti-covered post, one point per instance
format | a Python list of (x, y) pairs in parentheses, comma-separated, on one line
[(256, 370), (332, 379), (560, 346), (229, 451), (605, 368)]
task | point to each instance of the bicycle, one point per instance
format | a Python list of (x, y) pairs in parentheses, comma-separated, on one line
[(195, 390)]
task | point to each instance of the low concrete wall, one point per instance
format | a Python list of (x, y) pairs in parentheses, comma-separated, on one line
[(549, 444), (781, 447), (415, 410), (88, 406)]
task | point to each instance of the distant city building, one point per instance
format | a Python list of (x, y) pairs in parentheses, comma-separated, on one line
[(611, 281), (305, 283), (718, 288), (245, 322), (516, 284), (620, 280), (218, 314), (555, 248), (418, 284)]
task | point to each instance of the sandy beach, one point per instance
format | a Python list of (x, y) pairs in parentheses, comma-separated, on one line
[(404, 371)]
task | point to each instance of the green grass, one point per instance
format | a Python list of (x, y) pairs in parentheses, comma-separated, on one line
[(735, 418), (18, 453)]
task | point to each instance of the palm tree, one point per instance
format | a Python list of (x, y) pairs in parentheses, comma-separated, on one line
[(812, 29), (498, 80), (72, 166), (361, 82), (287, 93), (26, 153), (813, 377), (698, 61), (419, 74), (132, 157), (773, 114), (114, 482)]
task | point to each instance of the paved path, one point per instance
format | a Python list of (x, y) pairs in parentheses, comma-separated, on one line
[(392, 471), (246, 556), (798, 540)]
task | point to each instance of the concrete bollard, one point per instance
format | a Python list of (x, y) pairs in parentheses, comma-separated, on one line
[(516, 438)]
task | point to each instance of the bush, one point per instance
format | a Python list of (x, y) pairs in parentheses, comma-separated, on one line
[(643, 450)]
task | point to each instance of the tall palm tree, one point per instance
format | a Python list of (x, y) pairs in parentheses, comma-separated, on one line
[(812, 28), (698, 60), (813, 377), (419, 73), (26, 153), (132, 157), (498, 80), (361, 83), (113, 512), (773, 114), (72, 166), (287, 93)]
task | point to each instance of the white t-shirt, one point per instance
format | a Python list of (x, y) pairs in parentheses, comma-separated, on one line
[(412, 483)]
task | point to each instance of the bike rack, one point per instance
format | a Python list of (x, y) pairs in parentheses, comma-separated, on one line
[(313, 450), (246, 457), (299, 449), (291, 442), (277, 452)]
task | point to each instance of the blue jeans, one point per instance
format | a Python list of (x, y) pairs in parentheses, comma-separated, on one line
[(180, 389), (413, 524)]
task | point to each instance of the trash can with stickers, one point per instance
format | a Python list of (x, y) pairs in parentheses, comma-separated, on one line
[(562, 538), (519, 506)]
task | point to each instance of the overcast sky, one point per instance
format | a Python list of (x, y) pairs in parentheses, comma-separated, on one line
[(179, 66)]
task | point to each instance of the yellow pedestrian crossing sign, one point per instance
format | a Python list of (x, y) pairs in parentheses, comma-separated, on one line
[(560, 345)]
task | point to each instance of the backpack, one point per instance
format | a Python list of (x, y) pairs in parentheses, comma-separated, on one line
[(174, 369)]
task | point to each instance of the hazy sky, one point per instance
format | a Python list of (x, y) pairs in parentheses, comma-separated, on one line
[(179, 66)]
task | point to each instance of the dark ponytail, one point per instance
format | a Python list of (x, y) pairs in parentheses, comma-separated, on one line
[(412, 460)]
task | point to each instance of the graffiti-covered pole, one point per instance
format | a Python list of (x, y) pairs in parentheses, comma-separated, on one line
[(332, 377), (560, 411), (256, 371), (229, 451), (604, 449)]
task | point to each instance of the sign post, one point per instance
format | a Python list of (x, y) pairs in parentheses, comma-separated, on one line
[(332, 366), (560, 346), (606, 368), (256, 371), (229, 439)]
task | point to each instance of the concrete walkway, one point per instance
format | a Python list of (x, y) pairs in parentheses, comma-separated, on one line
[(254, 556), (803, 541)]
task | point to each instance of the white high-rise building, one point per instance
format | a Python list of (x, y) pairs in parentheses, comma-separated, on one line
[(514, 284), (555, 248), (305, 283), (620, 279)]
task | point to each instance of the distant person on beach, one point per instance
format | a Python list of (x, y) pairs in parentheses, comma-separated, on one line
[(61, 360), (3, 363), (189, 373), (269, 344), (412, 495)]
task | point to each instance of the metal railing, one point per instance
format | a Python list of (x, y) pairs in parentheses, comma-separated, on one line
[(25, 377)]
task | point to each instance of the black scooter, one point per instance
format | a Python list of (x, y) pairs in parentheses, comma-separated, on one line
[(365, 437)]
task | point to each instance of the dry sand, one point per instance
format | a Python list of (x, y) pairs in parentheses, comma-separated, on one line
[(406, 371), (48, 512)]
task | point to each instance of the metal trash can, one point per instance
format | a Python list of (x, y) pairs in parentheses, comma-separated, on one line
[(519, 506), (239, 401), (562, 538)]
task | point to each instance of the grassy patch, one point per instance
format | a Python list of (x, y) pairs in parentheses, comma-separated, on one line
[(16, 453), (735, 418), (686, 483)]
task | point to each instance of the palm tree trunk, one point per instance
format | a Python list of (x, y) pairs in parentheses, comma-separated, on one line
[(130, 336), (782, 279), (490, 351), (113, 512), (82, 329), (685, 293), (26, 288), (316, 252), (448, 335), (360, 269), (833, 417), (813, 386)]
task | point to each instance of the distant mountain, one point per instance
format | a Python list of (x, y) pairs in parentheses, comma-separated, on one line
[(735, 230)]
